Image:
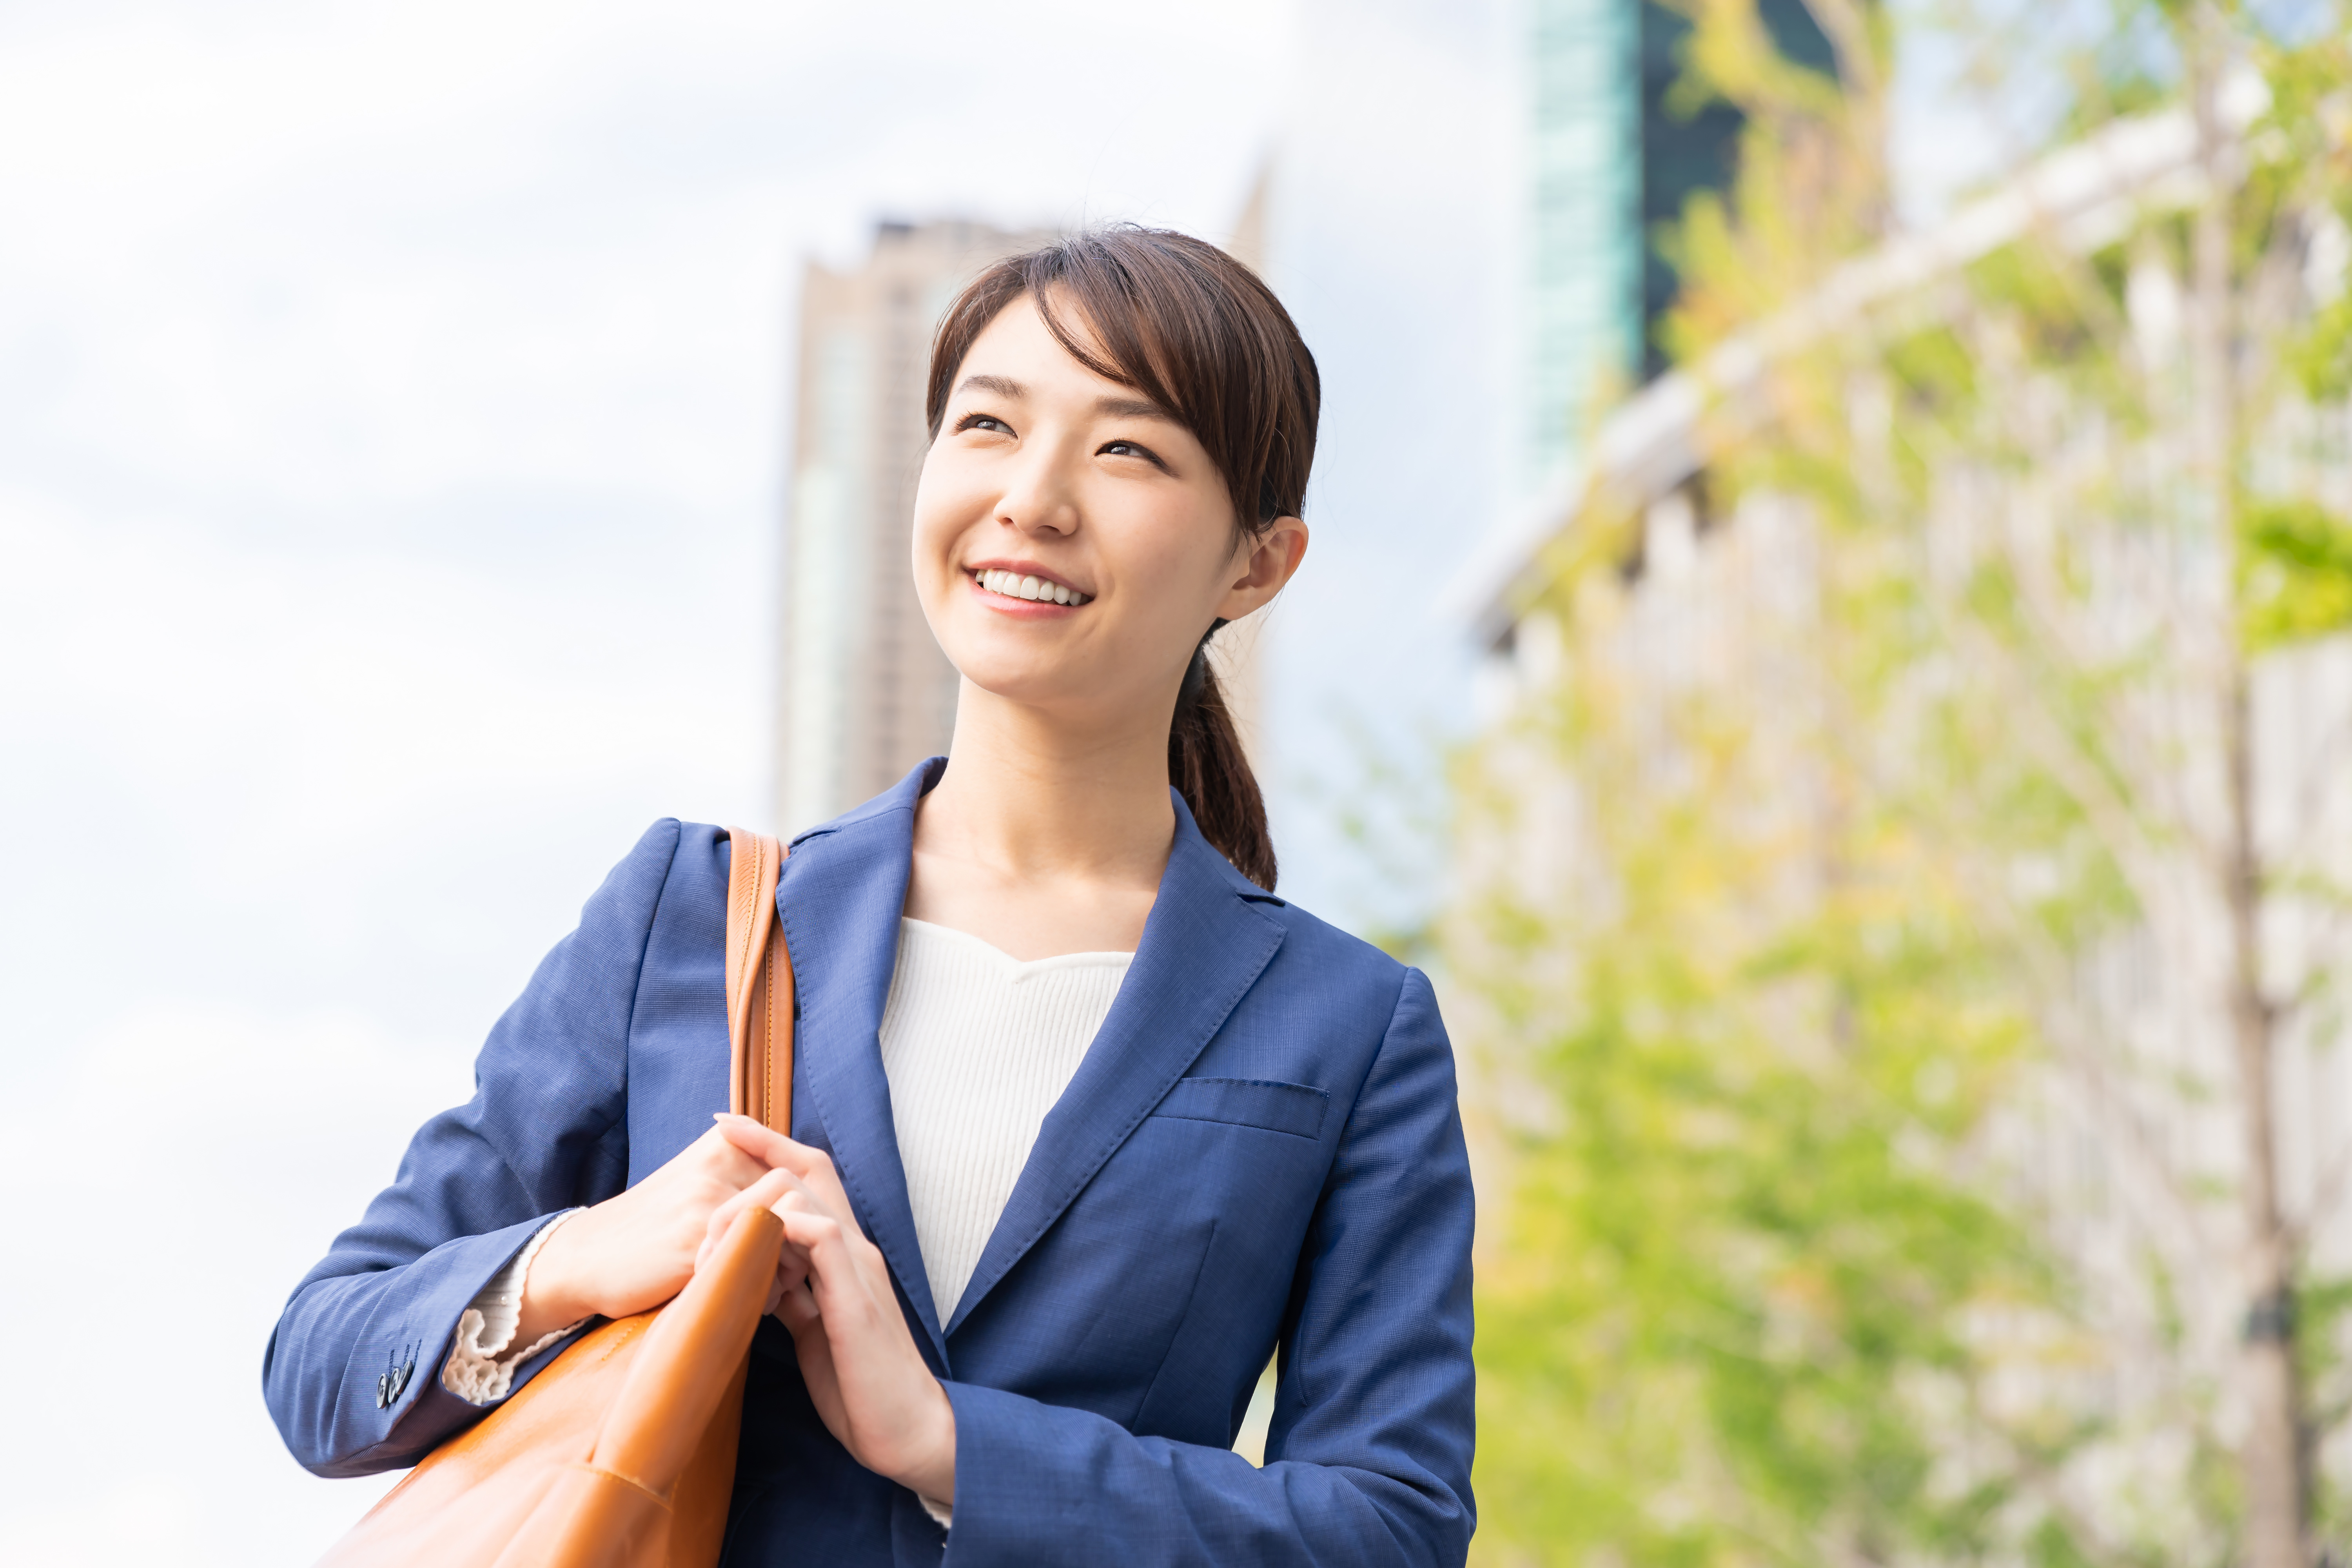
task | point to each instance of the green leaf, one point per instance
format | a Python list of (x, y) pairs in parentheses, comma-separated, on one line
[(2295, 573)]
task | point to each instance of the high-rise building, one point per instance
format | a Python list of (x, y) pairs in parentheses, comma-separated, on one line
[(866, 692), (1614, 158)]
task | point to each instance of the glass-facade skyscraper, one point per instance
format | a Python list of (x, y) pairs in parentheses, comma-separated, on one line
[(1611, 162)]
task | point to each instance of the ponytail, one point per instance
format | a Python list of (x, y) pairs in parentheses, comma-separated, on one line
[(1210, 770)]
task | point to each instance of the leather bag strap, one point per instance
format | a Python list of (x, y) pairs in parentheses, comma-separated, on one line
[(759, 984)]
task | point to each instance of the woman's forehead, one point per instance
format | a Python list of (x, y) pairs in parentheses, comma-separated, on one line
[(1019, 336)]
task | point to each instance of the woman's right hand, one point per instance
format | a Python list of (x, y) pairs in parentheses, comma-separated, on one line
[(635, 1250)]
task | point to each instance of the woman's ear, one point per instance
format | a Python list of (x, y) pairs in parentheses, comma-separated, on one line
[(1271, 557)]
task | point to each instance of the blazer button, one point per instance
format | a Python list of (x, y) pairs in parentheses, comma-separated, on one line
[(382, 1389), (400, 1379)]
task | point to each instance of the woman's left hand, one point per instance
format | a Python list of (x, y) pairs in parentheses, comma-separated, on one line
[(867, 1380)]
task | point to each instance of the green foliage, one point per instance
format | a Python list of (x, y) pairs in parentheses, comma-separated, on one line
[(1740, 1314), (2296, 572), (1763, 1292), (2322, 362), (1733, 1315), (2324, 1307)]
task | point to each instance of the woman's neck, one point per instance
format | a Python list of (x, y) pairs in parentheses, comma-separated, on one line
[(1045, 837)]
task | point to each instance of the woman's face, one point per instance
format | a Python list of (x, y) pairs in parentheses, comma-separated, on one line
[(1052, 481)]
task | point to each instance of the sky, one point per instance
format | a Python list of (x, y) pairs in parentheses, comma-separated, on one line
[(392, 404)]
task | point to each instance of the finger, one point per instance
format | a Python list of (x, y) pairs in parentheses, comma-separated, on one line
[(773, 1148), (792, 1270), (771, 1188), (806, 1197), (814, 1166), (833, 1274), (757, 1140), (815, 1352), (796, 1306), (729, 1162), (710, 1161), (829, 1200), (804, 1201), (857, 1253), (763, 1194)]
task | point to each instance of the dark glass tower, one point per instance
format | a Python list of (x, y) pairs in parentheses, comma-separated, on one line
[(1613, 162)]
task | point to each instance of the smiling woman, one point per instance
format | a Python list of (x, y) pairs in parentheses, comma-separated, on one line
[(1085, 1122), (1180, 406)]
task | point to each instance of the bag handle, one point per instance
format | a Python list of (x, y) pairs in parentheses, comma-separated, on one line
[(759, 984)]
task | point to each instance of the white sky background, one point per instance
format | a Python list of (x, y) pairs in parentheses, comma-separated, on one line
[(391, 440), (392, 414)]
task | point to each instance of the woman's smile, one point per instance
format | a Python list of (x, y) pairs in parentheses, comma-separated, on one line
[(1023, 584)]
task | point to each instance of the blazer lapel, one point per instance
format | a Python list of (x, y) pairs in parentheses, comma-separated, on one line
[(1203, 946), (840, 898)]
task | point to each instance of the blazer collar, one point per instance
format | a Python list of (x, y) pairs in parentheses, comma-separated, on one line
[(841, 896)]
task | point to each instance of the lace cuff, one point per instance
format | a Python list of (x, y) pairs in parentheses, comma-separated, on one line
[(480, 1368), (942, 1513)]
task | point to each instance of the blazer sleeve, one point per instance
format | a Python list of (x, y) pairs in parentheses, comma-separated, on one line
[(1369, 1454), (545, 1132)]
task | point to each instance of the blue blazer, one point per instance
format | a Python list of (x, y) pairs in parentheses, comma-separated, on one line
[(1261, 1150)]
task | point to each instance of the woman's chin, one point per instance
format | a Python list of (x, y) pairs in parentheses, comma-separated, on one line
[(1068, 693), (1013, 661), (1054, 690)]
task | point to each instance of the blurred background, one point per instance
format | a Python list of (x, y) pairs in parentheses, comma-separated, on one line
[(1829, 632)]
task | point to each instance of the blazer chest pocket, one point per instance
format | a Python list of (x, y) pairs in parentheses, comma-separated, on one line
[(1292, 1108)]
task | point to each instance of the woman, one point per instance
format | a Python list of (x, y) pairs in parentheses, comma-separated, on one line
[(1086, 1122)]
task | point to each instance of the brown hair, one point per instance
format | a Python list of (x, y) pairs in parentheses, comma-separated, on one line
[(1198, 333)]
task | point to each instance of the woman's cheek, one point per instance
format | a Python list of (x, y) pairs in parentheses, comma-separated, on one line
[(934, 546), (938, 582)]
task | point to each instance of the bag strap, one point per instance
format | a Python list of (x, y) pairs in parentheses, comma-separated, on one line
[(759, 984)]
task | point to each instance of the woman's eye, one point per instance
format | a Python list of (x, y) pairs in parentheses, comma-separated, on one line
[(984, 422), (1131, 449)]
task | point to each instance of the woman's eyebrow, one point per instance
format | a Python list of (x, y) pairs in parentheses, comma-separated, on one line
[(1003, 386), (1130, 408)]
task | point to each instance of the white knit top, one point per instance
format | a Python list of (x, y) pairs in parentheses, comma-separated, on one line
[(977, 1045)]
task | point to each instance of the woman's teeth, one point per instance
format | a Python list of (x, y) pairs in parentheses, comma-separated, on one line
[(1014, 585)]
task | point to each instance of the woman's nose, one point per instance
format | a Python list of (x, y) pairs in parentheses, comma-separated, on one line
[(1041, 499)]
